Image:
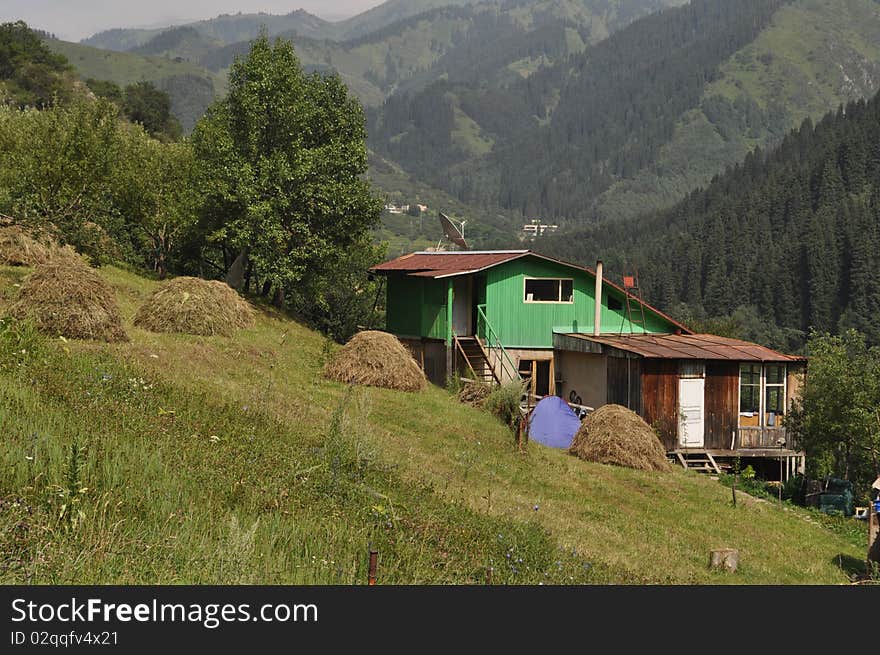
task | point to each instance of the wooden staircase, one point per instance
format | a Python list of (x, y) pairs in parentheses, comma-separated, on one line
[(477, 359), (701, 462)]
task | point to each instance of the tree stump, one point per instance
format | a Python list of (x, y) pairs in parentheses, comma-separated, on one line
[(724, 559)]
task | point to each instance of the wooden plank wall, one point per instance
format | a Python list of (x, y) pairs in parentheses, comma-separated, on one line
[(624, 382), (660, 398), (722, 396)]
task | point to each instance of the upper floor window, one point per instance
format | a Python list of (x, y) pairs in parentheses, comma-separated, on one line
[(544, 289)]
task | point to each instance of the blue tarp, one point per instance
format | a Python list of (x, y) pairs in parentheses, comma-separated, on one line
[(553, 423)]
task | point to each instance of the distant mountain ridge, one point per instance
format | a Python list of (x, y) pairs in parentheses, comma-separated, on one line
[(233, 28)]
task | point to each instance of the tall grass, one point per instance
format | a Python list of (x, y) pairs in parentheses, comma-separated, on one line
[(111, 476)]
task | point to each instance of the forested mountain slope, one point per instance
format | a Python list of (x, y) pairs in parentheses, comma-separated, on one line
[(794, 233), (637, 120)]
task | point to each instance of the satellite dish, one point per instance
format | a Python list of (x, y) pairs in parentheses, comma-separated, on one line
[(453, 233)]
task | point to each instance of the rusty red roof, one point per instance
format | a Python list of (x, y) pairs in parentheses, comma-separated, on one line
[(689, 346), (446, 264)]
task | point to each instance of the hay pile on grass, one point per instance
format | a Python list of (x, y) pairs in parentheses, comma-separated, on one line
[(616, 435), (376, 359), (19, 248), (474, 393), (190, 305), (64, 296)]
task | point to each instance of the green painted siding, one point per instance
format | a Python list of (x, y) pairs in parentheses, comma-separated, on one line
[(416, 307), (531, 325), (434, 320)]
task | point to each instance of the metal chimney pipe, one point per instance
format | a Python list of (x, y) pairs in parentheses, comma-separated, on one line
[(597, 316)]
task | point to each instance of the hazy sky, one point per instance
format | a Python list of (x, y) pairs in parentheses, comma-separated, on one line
[(77, 19)]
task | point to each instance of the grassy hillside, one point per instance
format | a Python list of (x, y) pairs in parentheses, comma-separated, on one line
[(191, 87), (188, 459)]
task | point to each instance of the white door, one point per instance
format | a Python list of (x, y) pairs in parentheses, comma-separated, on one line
[(691, 392), (461, 306)]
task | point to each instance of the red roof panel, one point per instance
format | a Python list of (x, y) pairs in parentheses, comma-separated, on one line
[(689, 346), (441, 264)]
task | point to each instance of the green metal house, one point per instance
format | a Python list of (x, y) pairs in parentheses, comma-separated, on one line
[(515, 314)]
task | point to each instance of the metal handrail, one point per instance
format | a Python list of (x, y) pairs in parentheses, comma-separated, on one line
[(494, 342)]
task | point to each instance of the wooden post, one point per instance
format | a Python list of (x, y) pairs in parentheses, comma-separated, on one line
[(552, 377), (371, 573), (724, 559)]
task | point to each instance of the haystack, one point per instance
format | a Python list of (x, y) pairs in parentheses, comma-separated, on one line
[(616, 435), (19, 248), (191, 305), (376, 359), (64, 296)]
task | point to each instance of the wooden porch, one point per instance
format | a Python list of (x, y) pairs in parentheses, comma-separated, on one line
[(715, 460)]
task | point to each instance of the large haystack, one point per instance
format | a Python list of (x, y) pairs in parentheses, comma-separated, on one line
[(616, 435), (19, 248), (376, 359), (190, 305), (22, 246), (64, 296)]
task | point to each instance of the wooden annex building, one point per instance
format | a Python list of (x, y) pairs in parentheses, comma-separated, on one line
[(569, 331)]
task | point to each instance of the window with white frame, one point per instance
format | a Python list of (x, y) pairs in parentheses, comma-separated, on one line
[(774, 394), (544, 289), (761, 395)]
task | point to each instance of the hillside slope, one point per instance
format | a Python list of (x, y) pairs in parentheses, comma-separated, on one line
[(793, 232), (638, 120), (190, 87), (198, 460), (814, 56)]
